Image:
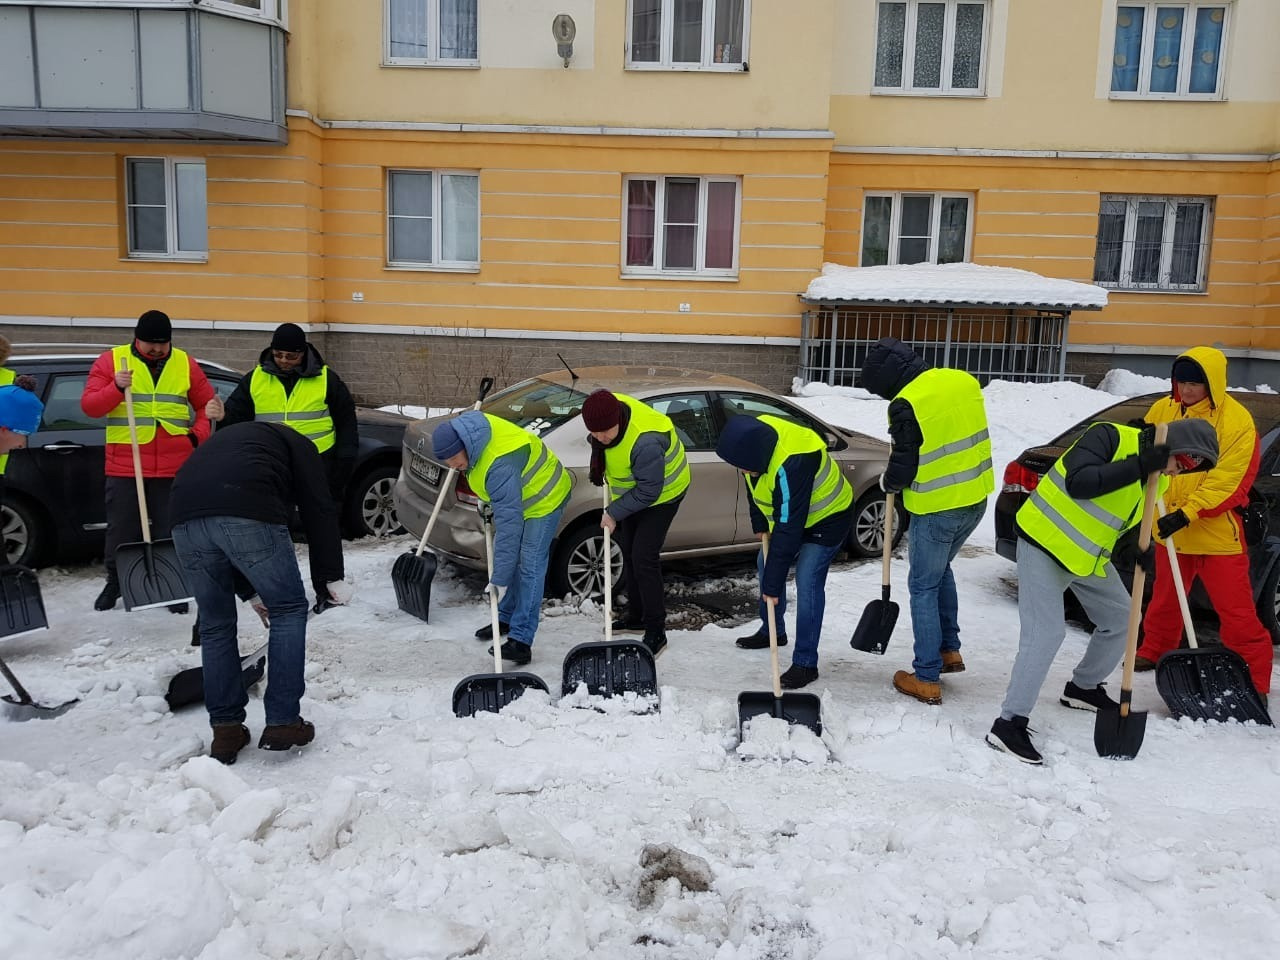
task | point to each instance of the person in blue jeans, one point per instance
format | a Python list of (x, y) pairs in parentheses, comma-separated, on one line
[(516, 477), (231, 504), (800, 498), (941, 465)]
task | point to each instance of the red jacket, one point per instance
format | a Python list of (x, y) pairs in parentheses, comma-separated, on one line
[(165, 453)]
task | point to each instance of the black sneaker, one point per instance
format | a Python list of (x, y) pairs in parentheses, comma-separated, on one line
[(228, 740), (655, 641), (515, 651), (1011, 736), (486, 632), (178, 608), (759, 641), (286, 736), (108, 597), (1078, 698), (797, 677), (195, 634), (626, 624)]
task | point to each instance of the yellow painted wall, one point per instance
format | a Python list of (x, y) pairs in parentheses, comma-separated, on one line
[(1042, 215)]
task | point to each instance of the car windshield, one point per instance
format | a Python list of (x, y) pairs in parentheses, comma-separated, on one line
[(537, 405), (1134, 409)]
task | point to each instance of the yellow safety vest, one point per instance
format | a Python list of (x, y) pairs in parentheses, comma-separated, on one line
[(831, 491), (304, 409), (955, 457), (544, 482), (1081, 534), (617, 460), (163, 403), (7, 377)]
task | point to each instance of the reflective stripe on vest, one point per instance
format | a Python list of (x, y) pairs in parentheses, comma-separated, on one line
[(831, 491), (163, 403), (304, 408), (544, 482), (7, 377), (955, 468), (617, 460), (1082, 533)]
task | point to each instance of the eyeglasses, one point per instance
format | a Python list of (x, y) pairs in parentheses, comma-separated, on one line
[(287, 354), (1187, 461)]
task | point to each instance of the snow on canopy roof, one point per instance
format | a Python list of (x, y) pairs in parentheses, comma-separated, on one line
[(951, 283)]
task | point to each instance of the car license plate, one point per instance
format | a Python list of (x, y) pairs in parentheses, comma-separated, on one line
[(425, 469)]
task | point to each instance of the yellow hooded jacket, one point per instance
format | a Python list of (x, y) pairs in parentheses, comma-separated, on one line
[(1206, 498)]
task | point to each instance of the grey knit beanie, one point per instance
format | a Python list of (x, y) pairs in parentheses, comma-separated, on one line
[(1195, 438)]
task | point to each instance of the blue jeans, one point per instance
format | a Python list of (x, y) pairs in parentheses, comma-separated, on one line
[(812, 563), (209, 548), (521, 606), (933, 540)]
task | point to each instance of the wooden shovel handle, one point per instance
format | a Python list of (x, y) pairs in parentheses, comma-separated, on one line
[(1178, 586), (888, 539), (1140, 578), (607, 585), (137, 458)]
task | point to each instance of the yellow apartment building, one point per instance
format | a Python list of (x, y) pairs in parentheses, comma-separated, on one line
[(440, 189)]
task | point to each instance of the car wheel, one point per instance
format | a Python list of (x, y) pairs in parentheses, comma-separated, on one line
[(866, 537), (370, 510), (25, 541), (1269, 603), (578, 565)]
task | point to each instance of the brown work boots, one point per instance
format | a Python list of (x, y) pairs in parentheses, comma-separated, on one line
[(286, 736), (925, 691), (228, 740)]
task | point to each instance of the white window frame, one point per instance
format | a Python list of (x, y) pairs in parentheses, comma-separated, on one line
[(174, 252), (699, 270), (433, 58), (948, 52), (707, 61), (437, 222), (1184, 53), (935, 220), (1163, 283)]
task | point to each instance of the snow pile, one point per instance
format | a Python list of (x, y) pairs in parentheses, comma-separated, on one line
[(950, 283)]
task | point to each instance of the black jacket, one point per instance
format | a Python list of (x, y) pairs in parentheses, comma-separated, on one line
[(259, 471), (889, 366)]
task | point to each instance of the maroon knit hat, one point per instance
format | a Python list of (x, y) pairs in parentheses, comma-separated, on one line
[(601, 411)]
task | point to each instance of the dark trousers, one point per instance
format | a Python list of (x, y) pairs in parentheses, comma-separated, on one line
[(124, 523), (640, 538)]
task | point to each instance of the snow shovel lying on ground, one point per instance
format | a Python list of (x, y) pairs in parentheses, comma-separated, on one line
[(187, 687), (1205, 683), (802, 708), (24, 708), (21, 605), (876, 626), (412, 573), (613, 667), (491, 692), (1118, 731), (150, 574)]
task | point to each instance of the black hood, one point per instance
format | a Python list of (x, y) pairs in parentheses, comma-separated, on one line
[(312, 364), (889, 366)]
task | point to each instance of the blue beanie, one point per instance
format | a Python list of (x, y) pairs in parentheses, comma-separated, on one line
[(747, 443), (20, 410), (445, 441)]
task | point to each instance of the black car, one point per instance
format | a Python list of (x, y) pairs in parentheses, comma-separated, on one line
[(53, 508), (1022, 475)]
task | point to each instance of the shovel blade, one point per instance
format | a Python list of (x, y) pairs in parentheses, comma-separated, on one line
[(17, 710), (490, 692), (21, 605), (802, 708), (1117, 737), (150, 575), (411, 575), (610, 669), (187, 687), (1209, 683), (876, 627)]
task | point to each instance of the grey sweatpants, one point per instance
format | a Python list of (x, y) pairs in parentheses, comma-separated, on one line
[(1043, 626)]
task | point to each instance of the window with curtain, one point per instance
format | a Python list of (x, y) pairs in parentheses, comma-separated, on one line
[(931, 46), (681, 225), (915, 228), (166, 208), (688, 34), (433, 218), (1169, 50), (431, 31), (1153, 243)]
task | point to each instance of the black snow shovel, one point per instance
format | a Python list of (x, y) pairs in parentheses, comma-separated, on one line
[(490, 692), (794, 707), (187, 687), (23, 707), (1118, 730), (21, 605), (1205, 683), (876, 626), (412, 573), (614, 667), (150, 573)]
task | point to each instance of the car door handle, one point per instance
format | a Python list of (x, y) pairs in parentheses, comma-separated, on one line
[(64, 446)]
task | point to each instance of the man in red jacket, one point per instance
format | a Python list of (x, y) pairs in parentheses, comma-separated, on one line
[(170, 394)]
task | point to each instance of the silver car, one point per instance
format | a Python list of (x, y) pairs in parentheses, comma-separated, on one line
[(714, 517)]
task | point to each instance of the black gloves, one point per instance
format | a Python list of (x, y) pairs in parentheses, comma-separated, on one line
[(1171, 523), (595, 472), (485, 509), (1128, 554), (1153, 458)]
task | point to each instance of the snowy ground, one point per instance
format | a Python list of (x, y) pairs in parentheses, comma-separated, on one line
[(403, 832)]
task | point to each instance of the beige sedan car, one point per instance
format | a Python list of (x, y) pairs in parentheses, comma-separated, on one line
[(714, 517)]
